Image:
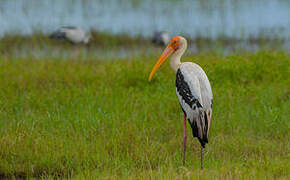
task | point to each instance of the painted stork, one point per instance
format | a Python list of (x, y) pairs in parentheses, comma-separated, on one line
[(161, 38), (74, 35), (193, 91)]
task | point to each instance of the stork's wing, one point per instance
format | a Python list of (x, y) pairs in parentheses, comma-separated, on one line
[(191, 87), (188, 91)]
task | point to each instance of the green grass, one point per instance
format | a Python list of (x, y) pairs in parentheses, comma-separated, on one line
[(96, 119)]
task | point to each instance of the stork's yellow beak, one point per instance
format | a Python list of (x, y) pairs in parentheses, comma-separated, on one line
[(165, 55)]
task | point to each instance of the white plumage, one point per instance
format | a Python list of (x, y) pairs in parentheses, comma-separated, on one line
[(74, 35), (201, 94)]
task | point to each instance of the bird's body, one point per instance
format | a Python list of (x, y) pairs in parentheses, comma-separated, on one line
[(73, 34), (195, 97), (161, 38), (192, 89)]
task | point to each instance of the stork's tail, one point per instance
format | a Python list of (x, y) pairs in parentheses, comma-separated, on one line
[(200, 128), (202, 142)]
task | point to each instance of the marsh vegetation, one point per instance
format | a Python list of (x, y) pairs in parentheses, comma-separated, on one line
[(94, 118)]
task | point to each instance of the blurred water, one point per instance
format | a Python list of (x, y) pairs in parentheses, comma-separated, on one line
[(206, 18)]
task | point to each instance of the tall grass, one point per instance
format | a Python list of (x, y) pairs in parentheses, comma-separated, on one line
[(96, 119)]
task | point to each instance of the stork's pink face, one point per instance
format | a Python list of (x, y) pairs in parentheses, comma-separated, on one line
[(170, 49)]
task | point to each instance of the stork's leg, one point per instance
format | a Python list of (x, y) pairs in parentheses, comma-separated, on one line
[(184, 141), (201, 157)]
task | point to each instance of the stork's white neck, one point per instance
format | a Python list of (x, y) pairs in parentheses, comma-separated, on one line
[(175, 57), (175, 61)]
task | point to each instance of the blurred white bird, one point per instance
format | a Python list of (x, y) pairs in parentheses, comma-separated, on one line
[(74, 35), (161, 38)]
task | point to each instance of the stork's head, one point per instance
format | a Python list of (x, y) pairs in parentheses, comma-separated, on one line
[(176, 47)]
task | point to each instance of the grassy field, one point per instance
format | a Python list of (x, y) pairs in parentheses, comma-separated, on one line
[(75, 119)]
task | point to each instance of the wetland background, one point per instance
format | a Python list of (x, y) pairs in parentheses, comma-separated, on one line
[(88, 111), (124, 28)]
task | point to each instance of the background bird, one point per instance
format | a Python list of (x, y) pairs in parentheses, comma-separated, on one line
[(161, 38), (193, 91), (74, 35)]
